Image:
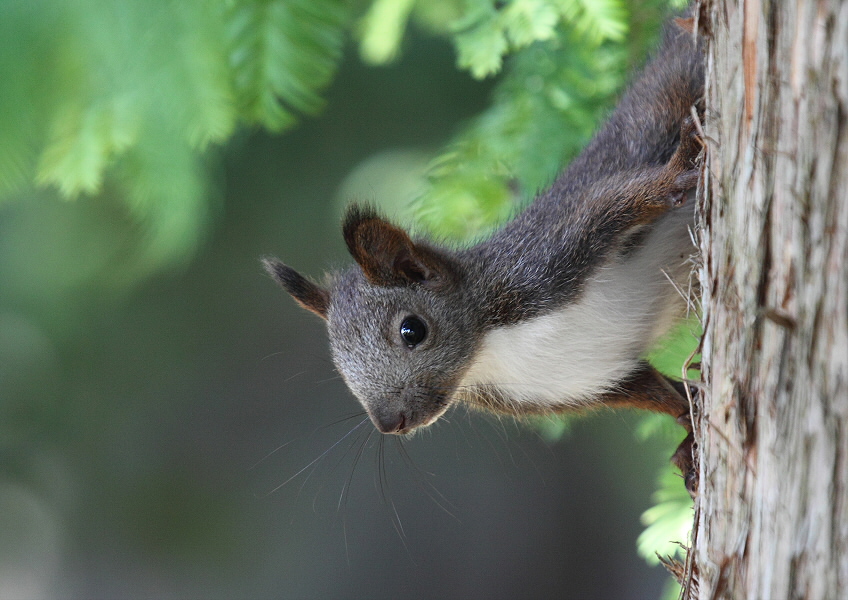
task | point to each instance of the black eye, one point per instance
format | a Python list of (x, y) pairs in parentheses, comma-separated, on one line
[(413, 331)]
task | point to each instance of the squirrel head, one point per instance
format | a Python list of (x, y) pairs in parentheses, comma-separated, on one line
[(401, 330)]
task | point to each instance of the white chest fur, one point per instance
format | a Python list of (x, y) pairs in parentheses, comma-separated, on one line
[(568, 357)]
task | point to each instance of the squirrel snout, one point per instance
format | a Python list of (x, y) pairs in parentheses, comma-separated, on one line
[(404, 414), (389, 421)]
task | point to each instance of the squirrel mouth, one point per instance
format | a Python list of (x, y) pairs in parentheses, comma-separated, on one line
[(402, 423)]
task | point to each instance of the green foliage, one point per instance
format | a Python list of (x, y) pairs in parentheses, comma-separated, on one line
[(483, 31), (677, 348), (668, 522), (569, 61), (122, 98), (544, 110), (281, 53), (552, 428), (381, 30)]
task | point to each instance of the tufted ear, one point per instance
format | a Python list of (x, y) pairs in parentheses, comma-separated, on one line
[(388, 256), (309, 295)]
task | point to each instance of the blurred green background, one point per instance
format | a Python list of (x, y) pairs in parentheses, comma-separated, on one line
[(170, 424)]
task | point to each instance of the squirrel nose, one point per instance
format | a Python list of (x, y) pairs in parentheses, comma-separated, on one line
[(390, 422)]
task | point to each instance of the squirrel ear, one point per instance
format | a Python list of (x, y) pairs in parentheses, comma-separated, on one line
[(310, 296), (387, 255)]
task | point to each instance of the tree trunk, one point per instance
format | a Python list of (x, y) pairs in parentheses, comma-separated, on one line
[(772, 519)]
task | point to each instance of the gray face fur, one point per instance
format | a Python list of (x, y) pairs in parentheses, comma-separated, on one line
[(401, 386)]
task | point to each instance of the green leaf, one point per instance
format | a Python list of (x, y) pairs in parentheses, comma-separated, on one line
[(464, 206), (485, 34), (529, 21), (668, 522), (282, 52), (82, 141), (381, 30), (29, 33), (165, 189), (439, 16), (481, 48), (671, 352), (596, 20), (207, 104)]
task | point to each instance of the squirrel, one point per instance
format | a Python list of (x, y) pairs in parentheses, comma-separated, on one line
[(554, 311)]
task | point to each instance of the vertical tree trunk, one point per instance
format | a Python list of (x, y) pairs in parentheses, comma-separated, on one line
[(773, 430)]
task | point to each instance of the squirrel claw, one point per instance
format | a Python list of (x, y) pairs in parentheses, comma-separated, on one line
[(683, 459), (682, 184), (689, 147), (681, 168), (685, 421)]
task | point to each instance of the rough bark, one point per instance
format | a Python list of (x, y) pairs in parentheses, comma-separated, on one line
[(772, 519)]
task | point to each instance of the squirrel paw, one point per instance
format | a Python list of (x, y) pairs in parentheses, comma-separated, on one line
[(684, 459), (682, 169), (690, 145)]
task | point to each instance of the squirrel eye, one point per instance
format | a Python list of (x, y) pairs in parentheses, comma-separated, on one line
[(413, 331)]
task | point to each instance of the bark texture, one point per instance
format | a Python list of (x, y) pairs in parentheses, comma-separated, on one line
[(772, 518)]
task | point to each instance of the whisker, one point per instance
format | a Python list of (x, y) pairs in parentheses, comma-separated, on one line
[(281, 446), (319, 457), (394, 517), (343, 456), (270, 454), (407, 459), (296, 375), (320, 357), (346, 487), (345, 493), (359, 413)]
